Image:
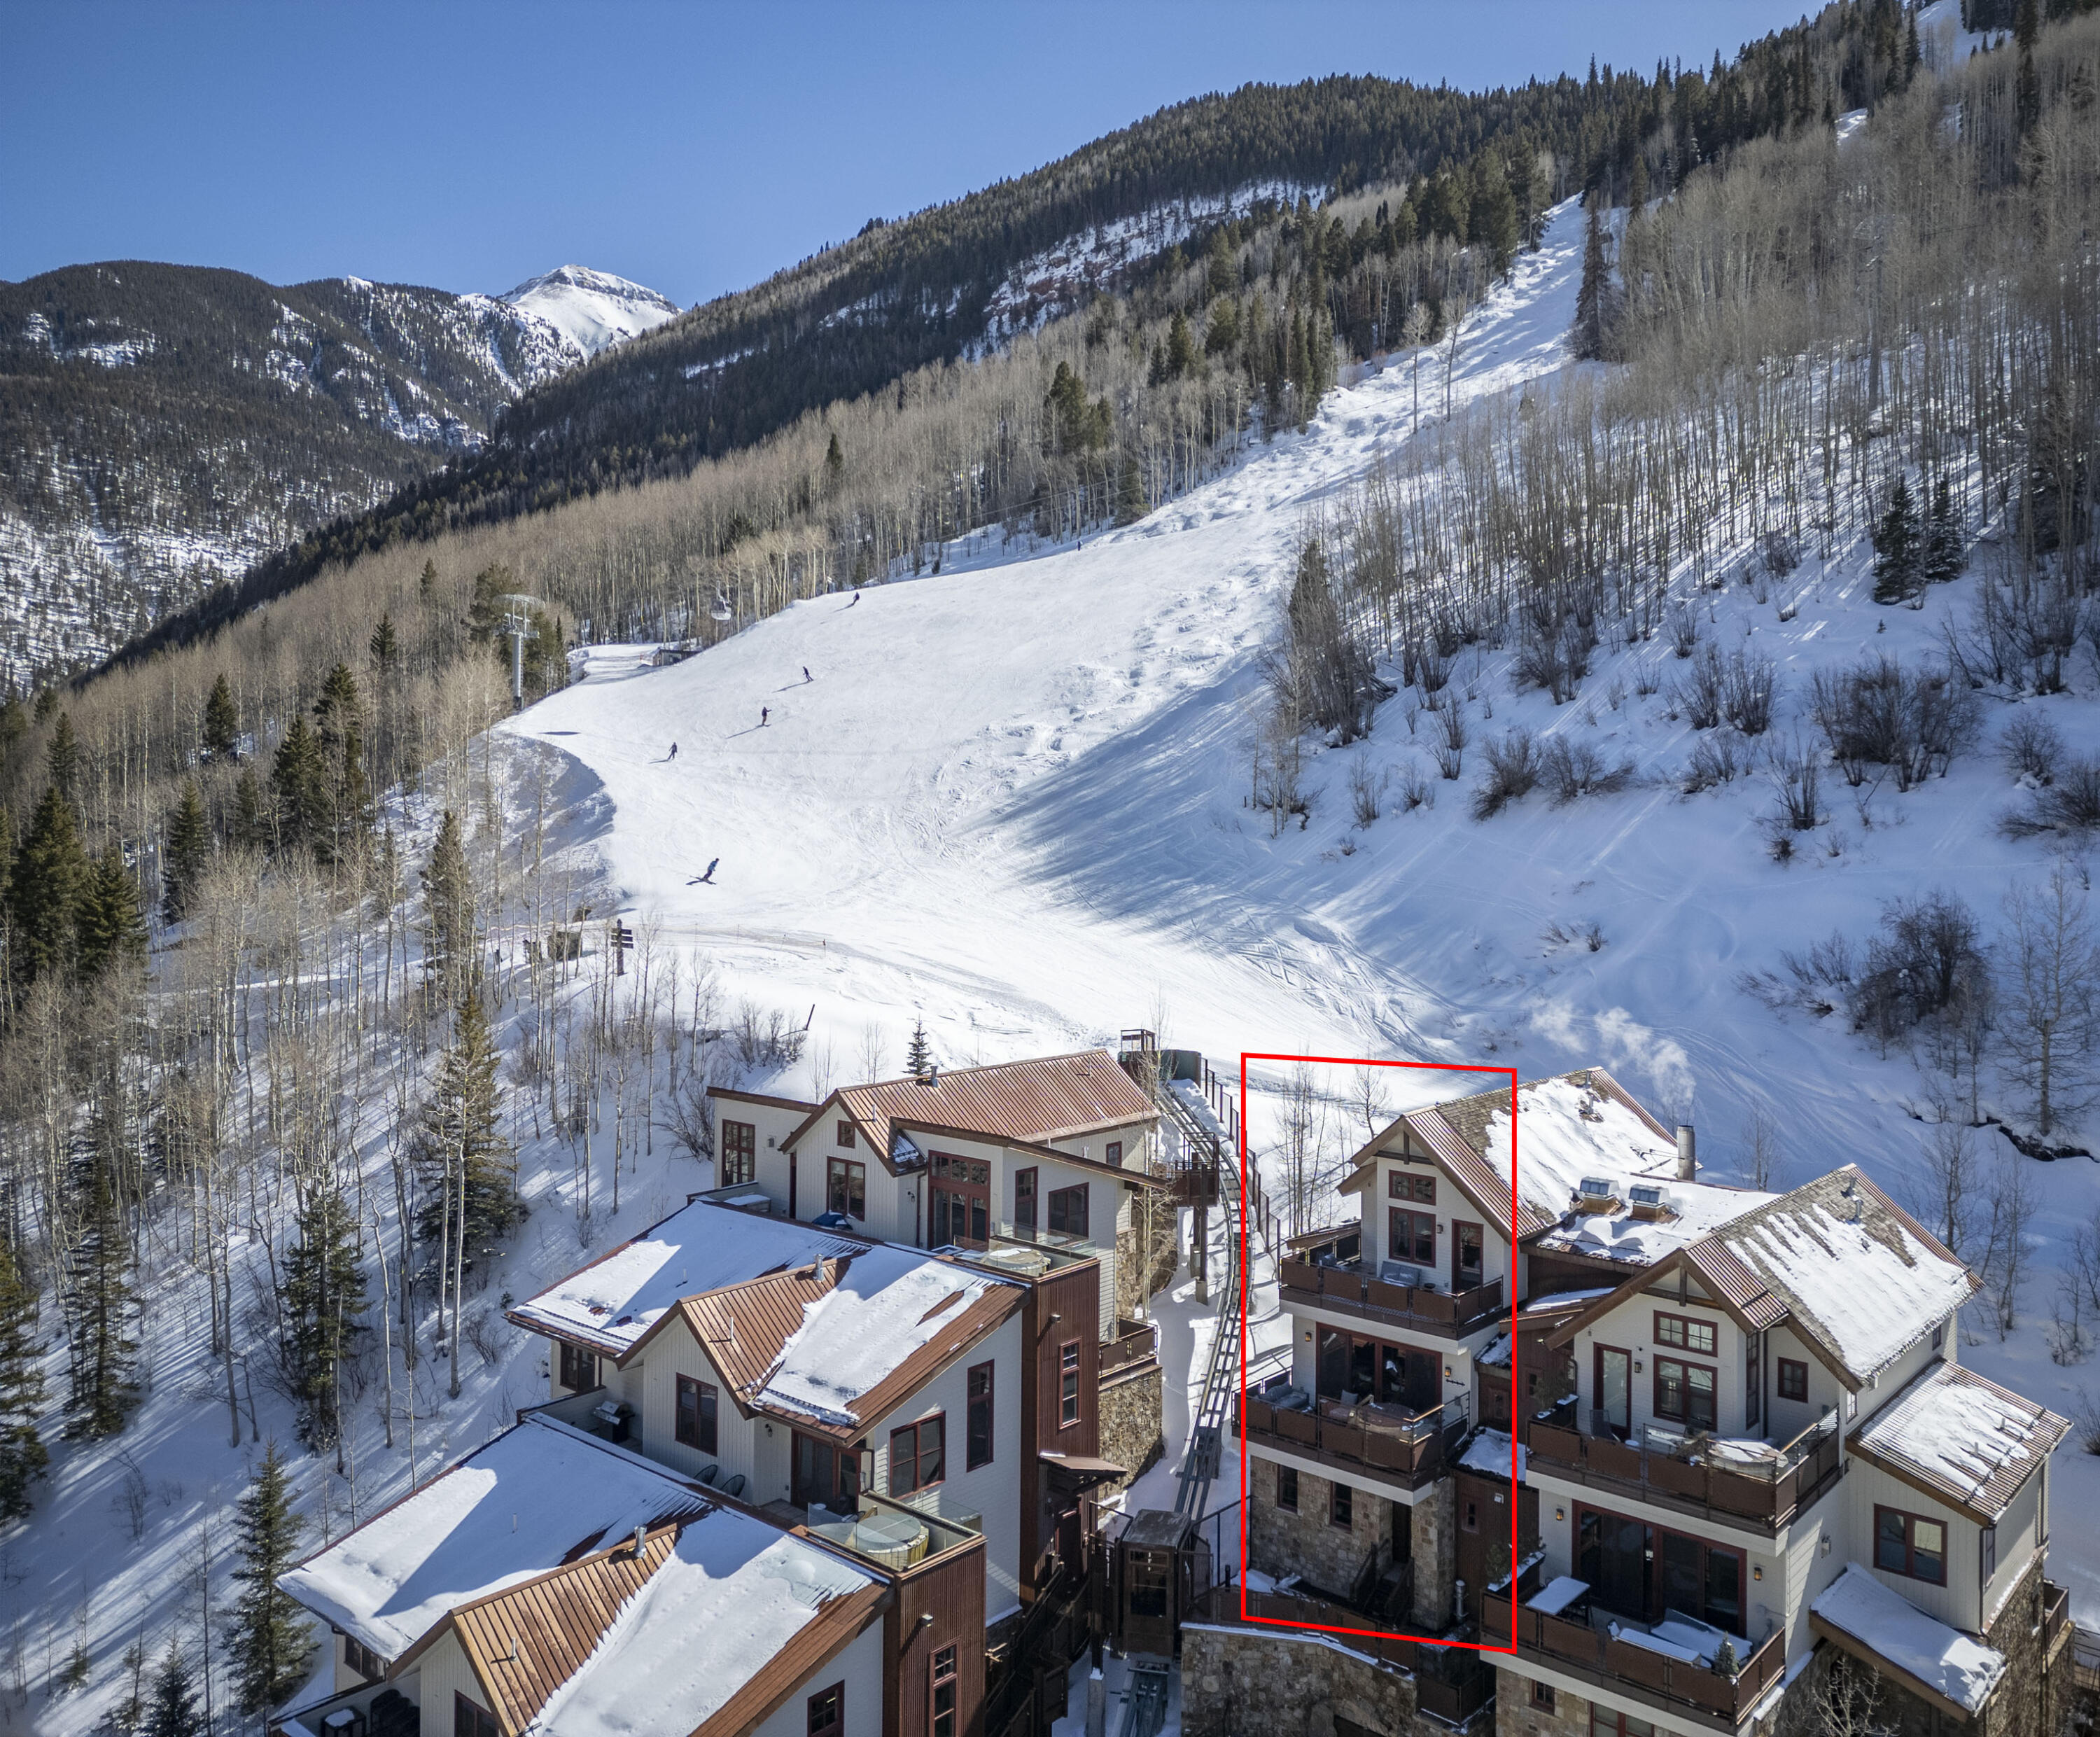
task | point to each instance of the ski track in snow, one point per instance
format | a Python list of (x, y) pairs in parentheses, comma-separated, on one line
[(1010, 802)]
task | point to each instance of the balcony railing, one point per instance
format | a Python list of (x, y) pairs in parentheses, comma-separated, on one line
[(1452, 1682), (1410, 1450), (1348, 1288), (2055, 1614), (1569, 1642), (1133, 1343), (1765, 1490)]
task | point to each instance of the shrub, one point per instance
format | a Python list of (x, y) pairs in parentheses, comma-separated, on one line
[(2031, 748), (1796, 778), (2069, 805), (1714, 761), (1698, 694), (1683, 630), (1514, 764), (1573, 769), (1366, 790), (1414, 791), (1914, 721), (1748, 687)]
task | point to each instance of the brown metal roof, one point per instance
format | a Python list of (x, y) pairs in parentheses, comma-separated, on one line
[(745, 1328), (1973, 1458), (1047, 1098), (736, 1096), (1725, 1275)]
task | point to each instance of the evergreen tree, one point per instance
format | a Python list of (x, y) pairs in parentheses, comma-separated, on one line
[(44, 894), (62, 756), (1221, 271), (835, 465), (266, 1636), (1129, 505), (1491, 222), (108, 929), (427, 579), (339, 756), (1897, 548), (1591, 338), (460, 1153), (22, 1454), (323, 1305), (1221, 331), (2027, 84), (251, 817), (174, 1711), (98, 1303), (185, 855), (448, 912), (1180, 350), (14, 722), (384, 645), (222, 720), (298, 787), (919, 1058), (1945, 555)]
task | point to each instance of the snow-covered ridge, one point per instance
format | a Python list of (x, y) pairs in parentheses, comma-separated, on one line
[(592, 309)]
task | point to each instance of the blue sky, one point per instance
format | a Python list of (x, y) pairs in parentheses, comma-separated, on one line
[(692, 147)]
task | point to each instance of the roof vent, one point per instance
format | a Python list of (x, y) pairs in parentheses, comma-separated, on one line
[(641, 1537), (1596, 1193), (1646, 1199), (1688, 1152)]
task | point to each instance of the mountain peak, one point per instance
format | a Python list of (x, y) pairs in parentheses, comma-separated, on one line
[(592, 309)]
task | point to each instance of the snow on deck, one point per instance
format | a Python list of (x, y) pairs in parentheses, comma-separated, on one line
[(510, 1510), (614, 1300), (891, 1303), (1889, 1625), (732, 1593), (1489, 1452)]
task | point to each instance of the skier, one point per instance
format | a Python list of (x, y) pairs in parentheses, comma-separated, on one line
[(806, 668), (707, 879), (856, 599), (674, 750), (765, 712)]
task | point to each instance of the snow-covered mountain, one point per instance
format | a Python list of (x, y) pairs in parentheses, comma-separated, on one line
[(593, 310), (173, 425)]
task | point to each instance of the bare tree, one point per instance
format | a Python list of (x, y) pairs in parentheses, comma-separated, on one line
[(2047, 965)]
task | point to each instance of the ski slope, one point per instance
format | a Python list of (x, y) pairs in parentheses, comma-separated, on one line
[(1011, 801)]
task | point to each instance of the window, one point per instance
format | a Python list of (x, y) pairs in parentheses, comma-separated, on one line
[(946, 1688), (1114, 1149), (470, 1721), (823, 1475), (740, 1153), (1986, 1543), (960, 1208), (1792, 1379), (1938, 1337), (1604, 1722), (1498, 1405), (1024, 1198), (1068, 1381), (1068, 1210), (697, 1412), (1753, 1387), (1541, 1695), (1411, 1236), (362, 1658), (1685, 1333), (827, 1712), (976, 1428), (1399, 1186), (848, 1187), (579, 1369), (1467, 1245), (845, 1135), (1286, 1488), (1684, 1391), (1910, 1545), (1472, 1522), (915, 1455), (1341, 1505)]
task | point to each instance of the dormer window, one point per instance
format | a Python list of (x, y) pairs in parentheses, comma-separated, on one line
[(1402, 1187), (1596, 1193), (845, 1135)]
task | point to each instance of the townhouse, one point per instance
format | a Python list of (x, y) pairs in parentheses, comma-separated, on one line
[(1731, 1426)]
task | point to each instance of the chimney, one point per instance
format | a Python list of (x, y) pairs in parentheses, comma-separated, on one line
[(640, 1535), (1688, 1153)]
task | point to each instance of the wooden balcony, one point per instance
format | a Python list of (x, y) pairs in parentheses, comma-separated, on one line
[(2055, 1615), (1134, 1344), (1348, 1289), (1375, 1441), (1571, 1646), (1452, 1682), (1765, 1495)]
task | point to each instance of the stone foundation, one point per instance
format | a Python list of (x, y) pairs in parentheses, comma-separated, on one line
[(1306, 1543), (1517, 1714), (1434, 1518), (1132, 1432), (1238, 1683)]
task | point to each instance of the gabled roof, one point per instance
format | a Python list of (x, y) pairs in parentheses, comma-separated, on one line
[(1962, 1439), (1036, 1102), (704, 1632), (837, 1345), (539, 1494), (1857, 1278), (615, 1302)]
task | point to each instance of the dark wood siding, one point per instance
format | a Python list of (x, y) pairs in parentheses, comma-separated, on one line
[(951, 1589), (1063, 1305)]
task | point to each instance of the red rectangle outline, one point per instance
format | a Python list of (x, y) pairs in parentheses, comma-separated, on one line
[(1516, 1498)]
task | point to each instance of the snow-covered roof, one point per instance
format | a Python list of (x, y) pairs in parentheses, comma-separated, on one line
[(1970, 1441), (730, 1597), (1691, 1210), (612, 1303), (1854, 1274), (841, 1343), (1035, 1101), (539, 1493), (1942, 1660), (1489, 1452)]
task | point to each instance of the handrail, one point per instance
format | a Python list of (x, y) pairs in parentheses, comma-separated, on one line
[(1628, 1666)]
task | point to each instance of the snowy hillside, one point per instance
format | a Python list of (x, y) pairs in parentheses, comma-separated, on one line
[(593, 310), (1012, 800)]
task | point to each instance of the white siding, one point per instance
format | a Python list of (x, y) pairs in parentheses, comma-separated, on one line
[(443, 1669), (1450, 1204), (2019, 1534), (1955, 1602), (674, 1352), (860, 1666)]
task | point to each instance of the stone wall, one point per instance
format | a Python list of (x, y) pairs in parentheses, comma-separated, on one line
[(1132, 1432), (1236, 1683), (1434, 1519), (1518, 1714), (1306, 1543), (1140, 1276)]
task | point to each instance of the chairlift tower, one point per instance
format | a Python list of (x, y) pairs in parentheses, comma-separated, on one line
[(517, 608)]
